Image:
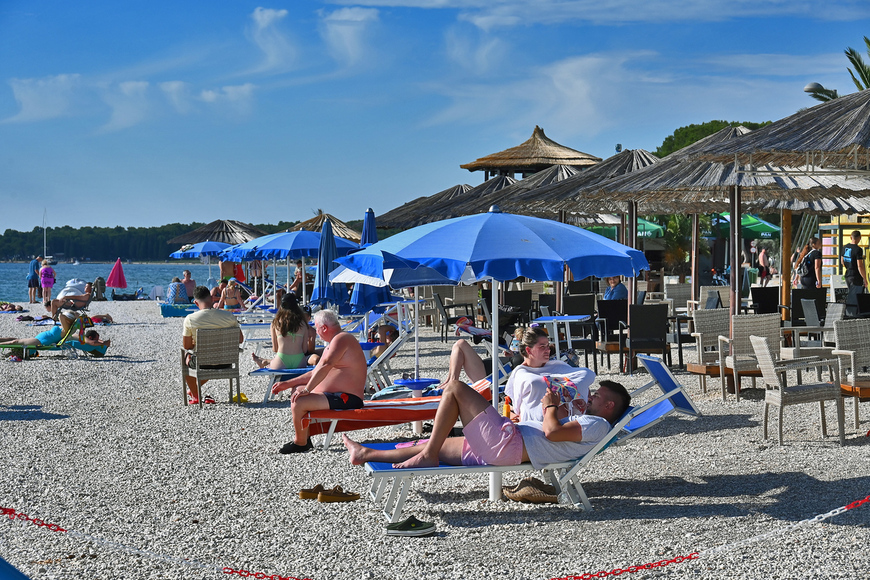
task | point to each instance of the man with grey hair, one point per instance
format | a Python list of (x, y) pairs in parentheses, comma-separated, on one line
[(337, 382)]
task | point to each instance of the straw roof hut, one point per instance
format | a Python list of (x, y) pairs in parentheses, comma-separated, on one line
[(339, 228), (406, 215), (442, 205), (225, 231), (531, 156), (834, 134)]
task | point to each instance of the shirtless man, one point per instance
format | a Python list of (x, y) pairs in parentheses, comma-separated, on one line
[(337, 382), (69, 298)]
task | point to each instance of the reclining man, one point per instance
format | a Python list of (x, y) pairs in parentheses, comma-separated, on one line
[(491, 439), (73, 295), (337, 382)]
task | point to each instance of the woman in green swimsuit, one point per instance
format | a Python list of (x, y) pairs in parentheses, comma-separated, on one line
[(289, 337)]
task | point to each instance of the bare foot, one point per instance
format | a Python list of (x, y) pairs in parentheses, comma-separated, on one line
[(419, 460), (260, 361), (357, 452)]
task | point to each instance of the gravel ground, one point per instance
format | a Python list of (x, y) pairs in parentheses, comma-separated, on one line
[(105, 449)]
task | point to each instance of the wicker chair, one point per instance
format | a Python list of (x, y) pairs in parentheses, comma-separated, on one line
[(215, 355), (742, 357), (709, 326), (853, 352), (780, 394), (706, 292), (677, 296), (813, 344)]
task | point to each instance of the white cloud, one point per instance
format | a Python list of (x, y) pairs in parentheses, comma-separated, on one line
[(279, 53), (779, 64), (480, 56), (44, 98), (178, 94), (238, 98), (129, 103), (345, 31), (491, 14)]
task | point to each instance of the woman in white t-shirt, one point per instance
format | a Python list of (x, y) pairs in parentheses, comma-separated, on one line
[(526, 385)]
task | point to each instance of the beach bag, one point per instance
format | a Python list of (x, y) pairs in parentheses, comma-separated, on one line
[(803, 269)]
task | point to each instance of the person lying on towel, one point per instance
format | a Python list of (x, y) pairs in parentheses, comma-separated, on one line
[(491, 439), (53, 336), (337, 382)]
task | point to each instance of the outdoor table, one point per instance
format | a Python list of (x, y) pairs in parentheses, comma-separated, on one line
[(417, 386), (553, 322)]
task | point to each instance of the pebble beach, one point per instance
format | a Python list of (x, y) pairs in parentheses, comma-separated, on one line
[(148, 488)]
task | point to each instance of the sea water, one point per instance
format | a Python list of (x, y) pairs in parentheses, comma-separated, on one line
[(13, 283)]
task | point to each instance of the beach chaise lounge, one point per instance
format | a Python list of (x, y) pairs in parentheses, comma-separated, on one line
[(390, 486)]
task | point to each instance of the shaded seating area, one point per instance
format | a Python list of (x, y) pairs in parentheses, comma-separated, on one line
[(736, 353), (852, 350)]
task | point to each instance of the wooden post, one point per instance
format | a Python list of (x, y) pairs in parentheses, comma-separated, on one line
[(785, 261), (696, 254)]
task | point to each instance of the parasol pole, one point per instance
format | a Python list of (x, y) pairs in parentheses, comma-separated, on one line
[(495, 479), (304, 297), (416, 332)]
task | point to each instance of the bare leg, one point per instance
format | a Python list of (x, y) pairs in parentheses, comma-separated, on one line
[(463, 357), (260, 361), (303, 404), (193, 387), (458, 401)]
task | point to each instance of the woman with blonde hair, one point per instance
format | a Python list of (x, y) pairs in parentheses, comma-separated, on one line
[(46, 280), (231, 296)]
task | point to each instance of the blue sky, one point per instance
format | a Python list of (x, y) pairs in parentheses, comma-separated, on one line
[(145, 113)]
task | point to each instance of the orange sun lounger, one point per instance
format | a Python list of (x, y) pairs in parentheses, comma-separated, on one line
[(379, 414)]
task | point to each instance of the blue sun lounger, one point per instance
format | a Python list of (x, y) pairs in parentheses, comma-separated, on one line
[(390, 486)]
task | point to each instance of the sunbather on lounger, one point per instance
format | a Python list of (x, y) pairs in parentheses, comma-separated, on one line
[(53, 336), (66, 299), (289, 337), (337, 382), (526, 384), (491, 439)]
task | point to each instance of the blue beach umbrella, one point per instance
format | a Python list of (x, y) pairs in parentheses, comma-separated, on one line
[(495, 246), (207, 248), (365, 296), (369, 231), (284, 245), (324, 291)]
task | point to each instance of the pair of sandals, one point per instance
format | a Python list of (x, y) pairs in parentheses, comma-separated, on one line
[(323, 495)]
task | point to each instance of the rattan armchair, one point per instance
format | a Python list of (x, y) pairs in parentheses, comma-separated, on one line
[(215, 355), (742, 355), (780, 394), (852, 350), (709, 325)]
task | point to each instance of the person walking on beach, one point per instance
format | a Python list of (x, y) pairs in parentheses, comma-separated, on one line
[(33, 289), (812, 257), (491, 439), (337, 382)]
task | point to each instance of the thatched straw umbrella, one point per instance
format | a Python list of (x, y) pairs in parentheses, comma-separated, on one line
[(531, 156), (225, 231), (690, 184), (339, 228), (408, 214), (440, 206), (832, 135)]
